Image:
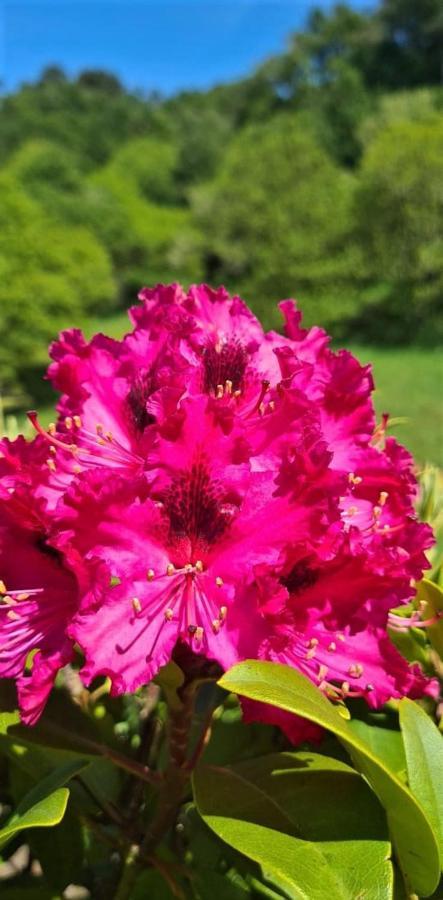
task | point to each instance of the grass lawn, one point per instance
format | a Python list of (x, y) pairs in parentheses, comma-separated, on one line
[(409, 385)]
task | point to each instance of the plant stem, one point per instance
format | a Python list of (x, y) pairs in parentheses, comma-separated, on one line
[(177, 773), (129, 873), (170, 794)]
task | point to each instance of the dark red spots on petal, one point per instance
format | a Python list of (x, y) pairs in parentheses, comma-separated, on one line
[(223, 362), (141, 389), (196, 507), (299, 578)]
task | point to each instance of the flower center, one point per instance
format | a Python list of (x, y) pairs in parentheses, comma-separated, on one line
[(197, 510), (141, 389), (300, 577), (224, 362)]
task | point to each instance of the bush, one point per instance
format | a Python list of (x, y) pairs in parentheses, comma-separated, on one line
[(49, 275), (399, 213), (276, 220)]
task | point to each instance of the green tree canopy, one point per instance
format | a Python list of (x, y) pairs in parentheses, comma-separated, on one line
[(276, 220), (399, 205), (49, 276)]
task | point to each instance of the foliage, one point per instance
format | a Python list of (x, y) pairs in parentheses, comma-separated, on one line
[(317, 175), (355, 817), (272, 229), (399, 204), (48, 273)]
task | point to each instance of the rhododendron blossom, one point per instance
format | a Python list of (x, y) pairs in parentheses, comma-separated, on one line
[(210, 484)]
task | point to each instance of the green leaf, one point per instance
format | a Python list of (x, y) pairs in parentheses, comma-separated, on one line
[(44, 805), (432, 595), (322, 797), (411, 831), (424, 756), (61, 857), (170, 678), (248, 818), (385, 743)]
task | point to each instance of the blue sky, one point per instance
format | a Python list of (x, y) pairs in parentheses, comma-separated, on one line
[(150, 44)]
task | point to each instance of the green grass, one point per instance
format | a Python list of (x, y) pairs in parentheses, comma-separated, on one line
[(409, 385)]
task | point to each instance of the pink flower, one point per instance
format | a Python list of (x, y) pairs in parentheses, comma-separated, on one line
[(39, 588), (212, 485), (185, 548)]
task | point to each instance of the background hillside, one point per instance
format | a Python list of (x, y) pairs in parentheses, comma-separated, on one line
[(319, 176)]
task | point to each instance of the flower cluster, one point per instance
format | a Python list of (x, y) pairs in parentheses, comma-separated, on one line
[(209, 484)]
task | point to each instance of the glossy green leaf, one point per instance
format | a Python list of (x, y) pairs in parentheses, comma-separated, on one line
[(44, 805), (385, 743), (424, 756), (412, 834), (248, 817), (322, 797)]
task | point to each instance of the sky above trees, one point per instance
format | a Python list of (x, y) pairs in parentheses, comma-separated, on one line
[(149, 44)]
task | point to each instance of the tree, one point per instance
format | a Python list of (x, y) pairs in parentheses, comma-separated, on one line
[(276, 219), (50, 276), (399, 207)]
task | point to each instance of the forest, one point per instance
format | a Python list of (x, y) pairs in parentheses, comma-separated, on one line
[(320, 176)]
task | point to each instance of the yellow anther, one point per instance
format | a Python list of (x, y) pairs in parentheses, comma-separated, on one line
[(216, 625), (345, 687), (219, 392), (228, 386), (199, 633), (51, 465), (52, 428), (170, 569), (354, 479), (341, 637), (313, 642), (311, 653), (77, 421), (237, 394), (219, 581), (332, 646), (136, 605), (271, 405), (222, 613), (383, 497), (322, 672), (53, 450), (109, 436), (377, 512), (198, 566), (3, 589), (355, 670), (150, 575), (169, 614), (261, 409), (23, 596), (99, 428), (13, 616), (68, 422)]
